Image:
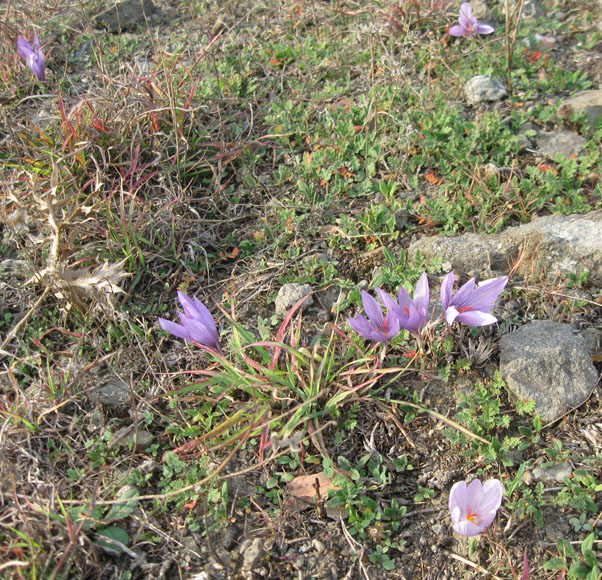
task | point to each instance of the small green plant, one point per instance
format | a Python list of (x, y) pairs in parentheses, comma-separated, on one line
[(581, 523), (584, 565), (423, 494)]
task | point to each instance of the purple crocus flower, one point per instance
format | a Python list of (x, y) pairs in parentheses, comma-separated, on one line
[(471, 305), (468, 24), (33, 55), (413, 314), (377, 326), (197, 323), (473, 507)]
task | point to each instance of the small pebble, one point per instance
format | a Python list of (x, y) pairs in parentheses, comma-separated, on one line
[(555, 472)]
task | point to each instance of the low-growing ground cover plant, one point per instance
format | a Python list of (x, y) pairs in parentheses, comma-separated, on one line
[(206, 155)]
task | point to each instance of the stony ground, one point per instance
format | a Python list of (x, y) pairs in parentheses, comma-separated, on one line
[(230, 149)]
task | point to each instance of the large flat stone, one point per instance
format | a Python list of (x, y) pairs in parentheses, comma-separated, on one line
[(548, 363), (551, 245), (561, 143), (588, 102)]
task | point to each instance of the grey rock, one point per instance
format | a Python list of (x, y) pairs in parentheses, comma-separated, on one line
[(329, 299), (592, 337), (524, 142), (127, 436), (588, 102), (289, 294), (559, 244), (483, 88), (126, 16), (318, 258), (556, 143), (113, 394), (552, 244), (252, 554), (548, 363), (541, 42), (230, 537), (141, 440), (469, 254), (490, 170), (553, 472)]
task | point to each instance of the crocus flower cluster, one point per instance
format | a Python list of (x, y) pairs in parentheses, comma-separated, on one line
[(473, 507), (33, 55), (406, 313), (197, 323), (468, 24), (470, 305)]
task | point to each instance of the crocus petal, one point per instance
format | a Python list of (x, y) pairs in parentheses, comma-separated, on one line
[(361, 325), (458, 30), (388, 302), (174, 328), (474, 318), (463, 297), (25, 48), (412, 314), (458, 497), (485, 295), (373, 310), (200, 333), (194, 309), (484, 29), (33, 55), (474, 490), (466, 20), (467, 528), (447, 287), (404, 298), (365, 329), (451, 314), (422, 295), (37, 66), (493, 492), (188, 305), (204, 315)]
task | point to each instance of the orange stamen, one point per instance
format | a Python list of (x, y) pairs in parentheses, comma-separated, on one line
[(472, 516), (407, 310), (464, 308)]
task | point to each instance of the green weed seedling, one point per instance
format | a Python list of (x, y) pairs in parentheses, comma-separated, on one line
[(366, 518), (580, 491), (423, 494), (582, 523), (100, 522), (584, 565)]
